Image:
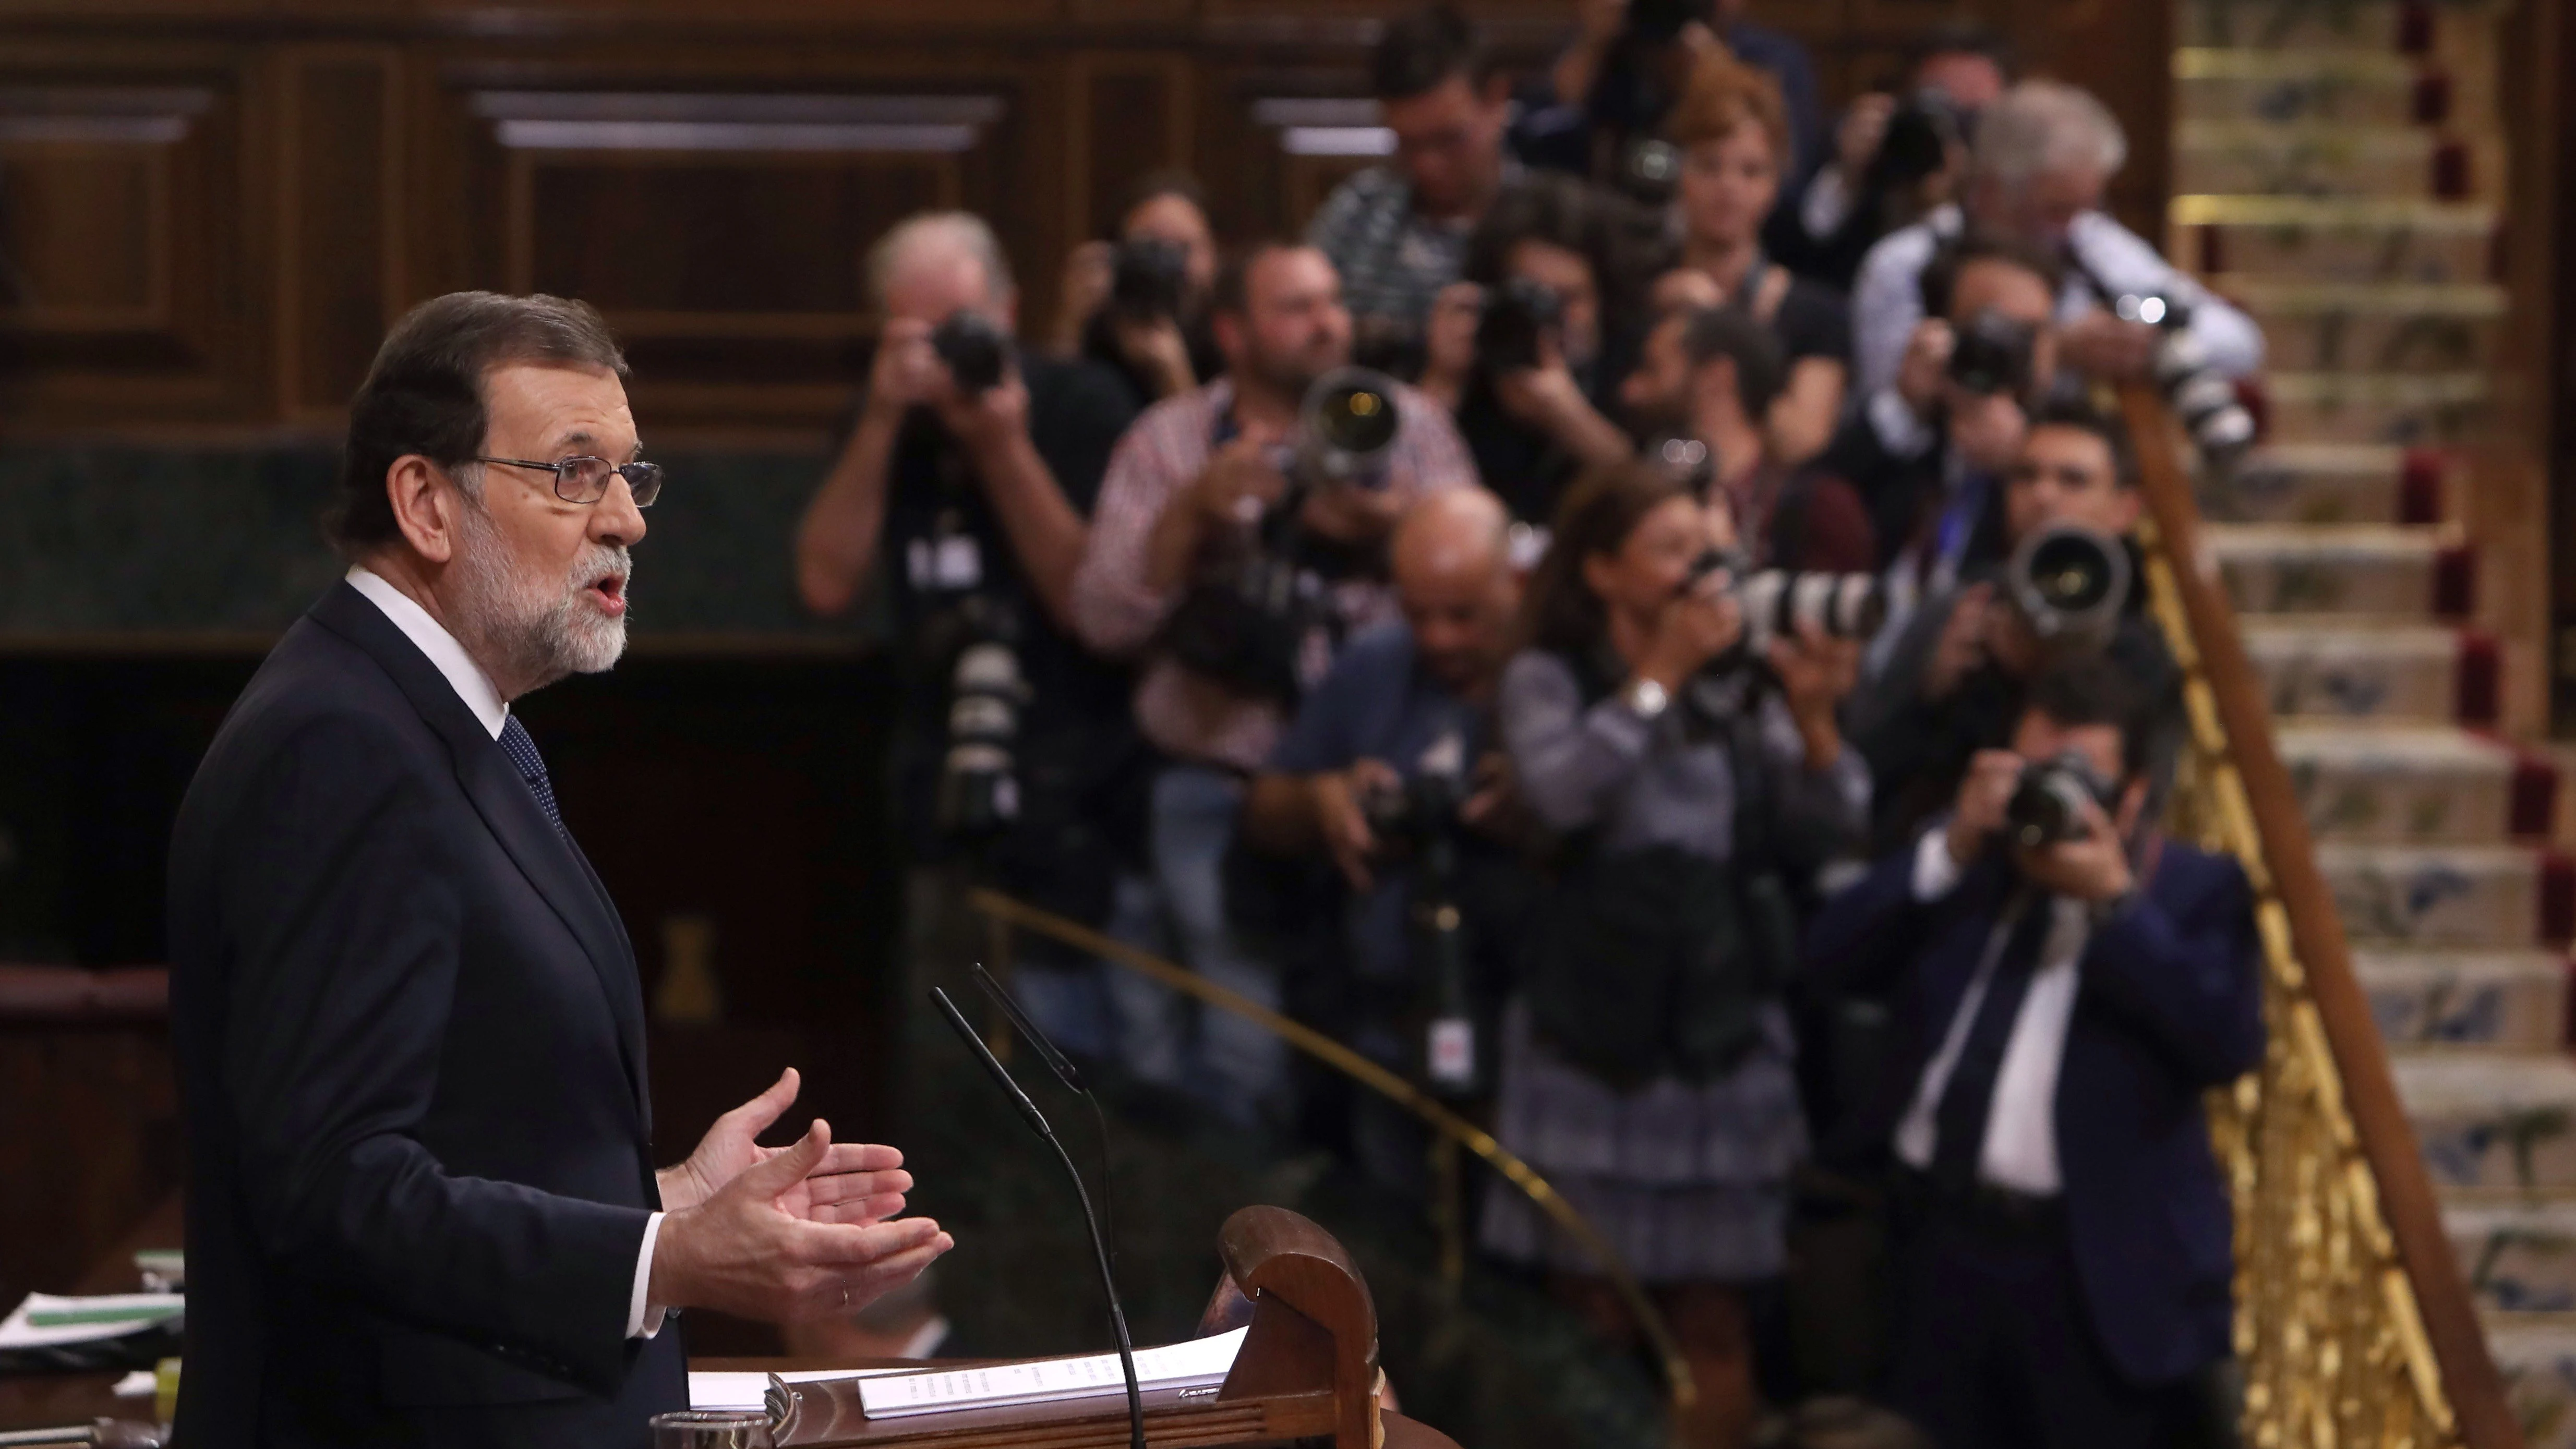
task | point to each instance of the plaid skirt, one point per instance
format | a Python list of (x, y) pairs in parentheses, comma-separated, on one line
[(1689, 1181)]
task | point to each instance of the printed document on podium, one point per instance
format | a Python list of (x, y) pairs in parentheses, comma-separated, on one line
[(1199, 1363)]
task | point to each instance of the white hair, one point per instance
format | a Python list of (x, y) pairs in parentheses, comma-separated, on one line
[(929, 232), (2042, 126)]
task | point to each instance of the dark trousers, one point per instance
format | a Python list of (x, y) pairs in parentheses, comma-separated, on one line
[(1994, 1347)]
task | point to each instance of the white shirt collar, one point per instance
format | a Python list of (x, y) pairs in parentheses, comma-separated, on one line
[(463, 675)]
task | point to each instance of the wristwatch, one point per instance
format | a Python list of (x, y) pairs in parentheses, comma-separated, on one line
[(1645, 697)]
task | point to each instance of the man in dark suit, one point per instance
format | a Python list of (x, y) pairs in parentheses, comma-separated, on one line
[(2063, 1233), (421, 1202)]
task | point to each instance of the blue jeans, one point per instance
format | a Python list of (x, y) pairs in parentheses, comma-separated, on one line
[(1177, 909)]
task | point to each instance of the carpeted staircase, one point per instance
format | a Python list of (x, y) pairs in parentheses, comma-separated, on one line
[(2337, 169)]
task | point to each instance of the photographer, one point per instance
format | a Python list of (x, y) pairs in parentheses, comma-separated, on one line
[(1954, 680), (1647, 1063), (1897, 157), (1191, 493), (1711, 374), (1137, 302), (1734, 143), (2068, 984), (1397, 234), (969, 503), (2037, 168), (1400, 729), (1527, 372), (1631, 59), (1926, 454)]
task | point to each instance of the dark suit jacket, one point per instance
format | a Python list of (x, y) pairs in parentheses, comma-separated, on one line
[(411, 1054), (2170, 1005)]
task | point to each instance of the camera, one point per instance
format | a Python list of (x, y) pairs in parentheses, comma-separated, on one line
[(1993, 354), (1512, 329), (2047, 807), (2206, 402), (1418, 813), (1650, 171), (1149, 278), (1922, 132), (1657, 22), (979, 785), (1350, 421), (2071, 585), (1783, 603), (975, 350)]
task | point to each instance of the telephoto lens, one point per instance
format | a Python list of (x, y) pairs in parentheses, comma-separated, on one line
[(1350, 421), (2220, 426), (1783, 604), (1650, 170), (1517, 317), (2047, 807), (976, 352), (1992, 354), (2070, 584), (1148, 278), (979, 792)]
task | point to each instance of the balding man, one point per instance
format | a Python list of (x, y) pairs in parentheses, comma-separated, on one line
[(1409, 699), (973, 507)]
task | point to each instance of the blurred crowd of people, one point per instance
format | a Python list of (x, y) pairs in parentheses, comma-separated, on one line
[(1629, 621)]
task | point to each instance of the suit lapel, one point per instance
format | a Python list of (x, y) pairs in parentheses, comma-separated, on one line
[(549, 861)]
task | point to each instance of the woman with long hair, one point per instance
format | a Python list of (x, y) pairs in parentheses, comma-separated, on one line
[(1692, 791), (1734, 140)]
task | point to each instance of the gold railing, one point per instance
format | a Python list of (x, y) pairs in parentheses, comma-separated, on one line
[(2353, 1323), (1452, 1133)]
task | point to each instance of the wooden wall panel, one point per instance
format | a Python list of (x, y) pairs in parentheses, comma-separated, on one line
[(340, 253), (124, 199)]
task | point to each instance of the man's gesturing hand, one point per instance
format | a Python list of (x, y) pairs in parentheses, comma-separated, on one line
[(857, 1181), (760, 1247)]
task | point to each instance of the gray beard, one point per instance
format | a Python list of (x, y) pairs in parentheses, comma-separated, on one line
[(532, 631)]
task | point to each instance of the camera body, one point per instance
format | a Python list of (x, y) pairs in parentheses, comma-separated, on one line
[(976, 351), (2071, 585), (1149, 278), (1993, 355), (1922, 131), (1417, 812), (2219, 424), (2047, 807), (1513, 326)]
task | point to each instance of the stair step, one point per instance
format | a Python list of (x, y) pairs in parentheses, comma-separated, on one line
[(2499, 1122), (2403, 785), (2384, 675), (2367, 407), (2311, 158), (2351, 570), (2325, 238), (2506, 1001), (2383, 26), (2518, 1252), (2488, 896), (2320, 327), (2537, 1359), (2337, 87), (2328, 483)]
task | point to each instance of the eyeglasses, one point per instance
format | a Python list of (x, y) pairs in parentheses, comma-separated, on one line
[(585, 480)]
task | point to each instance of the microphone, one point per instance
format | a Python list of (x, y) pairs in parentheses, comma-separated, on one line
[(1099, 1247), (1067, 1073)]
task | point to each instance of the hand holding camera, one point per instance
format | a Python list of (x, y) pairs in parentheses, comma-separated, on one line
[(1698, 624), (1816, 669), (2102, 345), (2054, 813), (1449, 341), (1342, 816), (906, 373), (1924, 370)]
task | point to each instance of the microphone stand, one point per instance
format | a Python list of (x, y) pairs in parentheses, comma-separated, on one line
[(1099, 1247), (1067, 1073)]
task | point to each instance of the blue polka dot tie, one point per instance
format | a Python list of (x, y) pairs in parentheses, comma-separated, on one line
[(532, 768)]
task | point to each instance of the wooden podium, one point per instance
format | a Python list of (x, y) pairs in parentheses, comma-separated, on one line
[(1307, 1371)]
